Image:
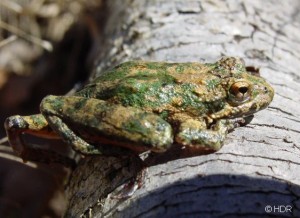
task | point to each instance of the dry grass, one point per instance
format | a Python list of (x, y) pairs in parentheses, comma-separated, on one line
[(28, 30), (43, 49), (34, 25)]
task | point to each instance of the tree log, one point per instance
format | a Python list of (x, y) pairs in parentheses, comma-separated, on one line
[(256, 173)]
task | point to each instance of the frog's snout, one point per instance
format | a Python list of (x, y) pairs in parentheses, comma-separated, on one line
[(269, 92), (263, 99)]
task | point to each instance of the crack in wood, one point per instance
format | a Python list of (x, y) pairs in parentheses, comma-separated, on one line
[(263, 157), (275, 126)]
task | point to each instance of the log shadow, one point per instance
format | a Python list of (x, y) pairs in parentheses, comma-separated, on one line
[(218, 196)]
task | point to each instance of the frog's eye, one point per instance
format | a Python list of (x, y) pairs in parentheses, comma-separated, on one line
[(240, 92)]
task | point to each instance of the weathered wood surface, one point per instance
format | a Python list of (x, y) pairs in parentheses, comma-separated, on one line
[(260, 163)]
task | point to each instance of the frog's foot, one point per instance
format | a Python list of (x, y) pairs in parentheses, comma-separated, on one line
[(14, 127), (247, 120), (128, 189), (231, 124), (237, 122), (36, 125), (195, 135)]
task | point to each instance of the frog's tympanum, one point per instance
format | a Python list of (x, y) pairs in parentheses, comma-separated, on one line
[(148, 106)]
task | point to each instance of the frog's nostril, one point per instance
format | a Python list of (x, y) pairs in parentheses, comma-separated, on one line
[(266, 90)]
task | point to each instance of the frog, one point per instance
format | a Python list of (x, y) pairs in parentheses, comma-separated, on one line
[(147, 106)]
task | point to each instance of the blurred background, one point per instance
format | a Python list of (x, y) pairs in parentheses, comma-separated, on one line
[(46, 47)]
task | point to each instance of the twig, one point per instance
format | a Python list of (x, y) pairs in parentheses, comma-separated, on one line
[(8, 40), (4, 139), (43, 43), (13, 6)]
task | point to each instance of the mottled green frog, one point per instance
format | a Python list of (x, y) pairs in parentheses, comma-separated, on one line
[(148, 106)]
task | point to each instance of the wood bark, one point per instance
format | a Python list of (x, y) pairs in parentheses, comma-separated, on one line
[(256, 173)]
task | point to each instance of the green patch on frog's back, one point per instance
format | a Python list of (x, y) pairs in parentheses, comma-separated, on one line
[(156, 96), (118, 72), (141, 69), (154, 85), (213, 83), (196, 106), (142, 90)]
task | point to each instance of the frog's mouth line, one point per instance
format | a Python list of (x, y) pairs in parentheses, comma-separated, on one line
[(252, 109)]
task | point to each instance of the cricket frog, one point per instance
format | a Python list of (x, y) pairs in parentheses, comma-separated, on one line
[(148, 106)]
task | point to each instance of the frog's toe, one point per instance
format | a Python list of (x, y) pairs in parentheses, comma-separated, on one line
[(164, 139), (237, 122), (156, 133), (15, 123), (14, 126), (247, 119)]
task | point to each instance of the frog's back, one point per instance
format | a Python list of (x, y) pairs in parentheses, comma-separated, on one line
[(154, 85), (142, 70)]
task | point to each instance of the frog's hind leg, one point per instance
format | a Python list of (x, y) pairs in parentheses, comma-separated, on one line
[(81, 121)]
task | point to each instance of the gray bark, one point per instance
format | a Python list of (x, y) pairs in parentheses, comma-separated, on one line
[(258, 167)]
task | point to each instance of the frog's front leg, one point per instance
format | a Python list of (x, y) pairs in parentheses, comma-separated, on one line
[(195, 135), (86, 123)]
